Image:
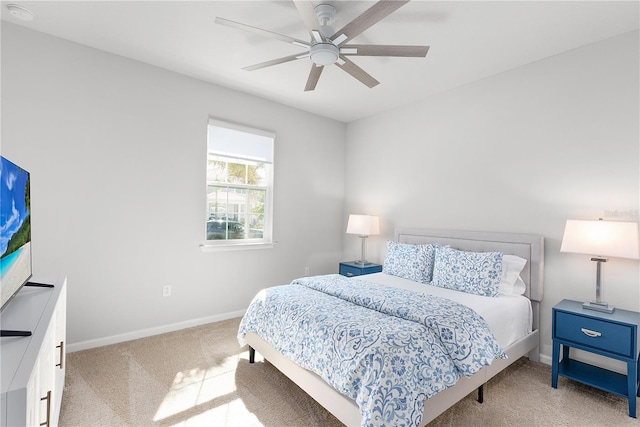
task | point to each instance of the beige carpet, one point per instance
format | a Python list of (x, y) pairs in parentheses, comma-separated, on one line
[(201, 377)]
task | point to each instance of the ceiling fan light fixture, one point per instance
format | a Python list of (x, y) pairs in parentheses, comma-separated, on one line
[(324, 53)]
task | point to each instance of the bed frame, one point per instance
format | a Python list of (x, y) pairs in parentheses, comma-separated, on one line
[(526, 246)]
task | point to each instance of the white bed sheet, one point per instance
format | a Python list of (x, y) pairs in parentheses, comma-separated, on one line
[(494, 310)]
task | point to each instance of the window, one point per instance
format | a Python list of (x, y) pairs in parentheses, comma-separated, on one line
[(239, 184)]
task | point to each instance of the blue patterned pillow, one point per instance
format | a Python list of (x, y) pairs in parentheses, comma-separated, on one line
[(472, 272), (413, 262)]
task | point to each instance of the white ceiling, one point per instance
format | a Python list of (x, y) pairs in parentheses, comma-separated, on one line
[(469, 41)]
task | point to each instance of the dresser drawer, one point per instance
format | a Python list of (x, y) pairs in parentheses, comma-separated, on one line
[(608, 337)]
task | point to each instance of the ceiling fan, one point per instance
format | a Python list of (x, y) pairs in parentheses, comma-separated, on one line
[(331, 47)]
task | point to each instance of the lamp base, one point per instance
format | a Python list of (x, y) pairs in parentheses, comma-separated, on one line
[(598, 306)]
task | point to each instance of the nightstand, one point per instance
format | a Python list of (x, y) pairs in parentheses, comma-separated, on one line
[(612, 335), (355, 268)]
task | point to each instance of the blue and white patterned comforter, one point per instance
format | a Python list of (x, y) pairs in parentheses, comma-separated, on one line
[(386, 348)]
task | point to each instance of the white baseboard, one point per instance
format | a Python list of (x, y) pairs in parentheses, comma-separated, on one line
[(134, 335), (545, 359)]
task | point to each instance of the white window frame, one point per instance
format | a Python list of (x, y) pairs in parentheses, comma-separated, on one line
[(240, 244)]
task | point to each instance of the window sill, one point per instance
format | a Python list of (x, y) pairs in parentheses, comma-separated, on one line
[(225, 247)]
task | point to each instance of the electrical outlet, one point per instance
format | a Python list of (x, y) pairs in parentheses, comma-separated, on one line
[(306, 271), (166, 290)]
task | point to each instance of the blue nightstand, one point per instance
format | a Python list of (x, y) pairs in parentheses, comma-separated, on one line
[(354, 268), (612, 335)]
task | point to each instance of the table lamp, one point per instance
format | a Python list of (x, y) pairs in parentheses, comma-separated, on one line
[(364, 226), (602, 239)]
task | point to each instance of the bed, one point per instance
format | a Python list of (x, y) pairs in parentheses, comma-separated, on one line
[(523, 343)]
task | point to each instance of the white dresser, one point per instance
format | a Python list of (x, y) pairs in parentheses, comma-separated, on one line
[(33, 367)]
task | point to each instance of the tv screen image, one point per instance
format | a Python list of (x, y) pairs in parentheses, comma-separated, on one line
[(15, 229)]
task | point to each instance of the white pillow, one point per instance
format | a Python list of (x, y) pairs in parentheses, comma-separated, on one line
[(519, 287), (511, 283)]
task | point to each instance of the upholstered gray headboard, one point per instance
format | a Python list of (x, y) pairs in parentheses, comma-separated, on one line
[(528, 246)]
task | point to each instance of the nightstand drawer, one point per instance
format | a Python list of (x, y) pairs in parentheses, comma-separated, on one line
[(351, 269), (609, 337), (347, 270)]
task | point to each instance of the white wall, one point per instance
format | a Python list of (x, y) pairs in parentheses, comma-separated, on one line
[(116, 149), (116, 152), (518, 152)]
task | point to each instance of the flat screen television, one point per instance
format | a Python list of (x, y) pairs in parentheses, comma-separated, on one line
[(15, 230)]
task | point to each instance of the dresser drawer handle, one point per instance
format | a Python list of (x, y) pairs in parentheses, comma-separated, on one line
[(349, 274), (591, 333)]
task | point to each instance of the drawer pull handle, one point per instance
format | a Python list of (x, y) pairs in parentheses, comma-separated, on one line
[(48, 399), (61, 347), (349, 274), (590, 333)]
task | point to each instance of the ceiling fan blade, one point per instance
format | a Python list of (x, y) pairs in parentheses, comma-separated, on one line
[(385, 50), (371, 16), (347, 65), (262, 32), (274, 62), (314, 75), (305, 8)]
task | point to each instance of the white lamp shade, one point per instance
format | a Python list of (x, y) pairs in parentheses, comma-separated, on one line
[(364, 225), (601, 238)]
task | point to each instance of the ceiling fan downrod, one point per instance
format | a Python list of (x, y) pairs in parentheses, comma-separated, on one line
[(326, 15), (324, 52)]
